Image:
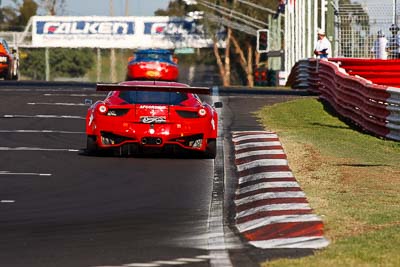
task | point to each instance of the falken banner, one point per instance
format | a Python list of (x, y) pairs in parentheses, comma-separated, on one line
[(118, 32)]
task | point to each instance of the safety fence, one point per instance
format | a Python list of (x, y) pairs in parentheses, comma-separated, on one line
[(373, 107)]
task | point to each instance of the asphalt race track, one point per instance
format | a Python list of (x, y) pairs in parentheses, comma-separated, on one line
[(60, 207)]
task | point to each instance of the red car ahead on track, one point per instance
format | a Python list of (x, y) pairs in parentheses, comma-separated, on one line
[(152, 64), (9, 62), (140, 116)]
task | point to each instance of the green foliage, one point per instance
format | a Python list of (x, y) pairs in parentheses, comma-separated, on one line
[(175, 8), (63, 62), (27, 10), (15, 18)]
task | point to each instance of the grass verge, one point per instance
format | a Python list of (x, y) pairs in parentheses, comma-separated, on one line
[(351, 179)]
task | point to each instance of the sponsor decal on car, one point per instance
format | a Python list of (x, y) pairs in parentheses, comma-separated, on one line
[(149, 119), (161, 108)]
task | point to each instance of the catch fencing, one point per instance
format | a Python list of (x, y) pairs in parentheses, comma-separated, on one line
[(359, 24), (373, 107)]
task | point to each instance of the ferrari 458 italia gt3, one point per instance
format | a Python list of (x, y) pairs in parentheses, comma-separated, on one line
[(152, 64), (140, 116)]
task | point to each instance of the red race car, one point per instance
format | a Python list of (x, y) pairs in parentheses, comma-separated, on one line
[(152, 64), (156, 116), (9, 62)]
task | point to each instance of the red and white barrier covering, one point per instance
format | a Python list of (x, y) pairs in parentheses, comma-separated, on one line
[(373, 107), (271, 209)]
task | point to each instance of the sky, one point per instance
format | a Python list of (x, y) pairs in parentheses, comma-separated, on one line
[(102, 7)]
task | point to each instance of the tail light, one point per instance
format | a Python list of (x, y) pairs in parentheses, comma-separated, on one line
[(202, 112), (102, 108)]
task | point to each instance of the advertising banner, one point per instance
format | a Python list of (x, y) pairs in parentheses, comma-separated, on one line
[(118, 32)]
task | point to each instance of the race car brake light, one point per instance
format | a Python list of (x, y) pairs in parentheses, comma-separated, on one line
[(202, 112), (102, 109)]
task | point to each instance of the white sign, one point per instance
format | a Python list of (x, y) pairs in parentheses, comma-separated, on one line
[(118, 32)]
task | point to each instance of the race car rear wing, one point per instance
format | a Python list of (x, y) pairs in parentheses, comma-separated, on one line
[(153, 87)]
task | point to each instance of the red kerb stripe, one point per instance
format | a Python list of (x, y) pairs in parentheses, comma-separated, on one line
[(286, 230)]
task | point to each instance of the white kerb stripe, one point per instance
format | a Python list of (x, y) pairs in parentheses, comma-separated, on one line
[(265, 175), (273, 207), (254, 224), (248, 137), (257, 144), (264, 185), (259, 152), (269, 195), (236, 133), (262, 163), (295, 242)]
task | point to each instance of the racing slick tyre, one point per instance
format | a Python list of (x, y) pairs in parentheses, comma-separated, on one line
[(211, 150), (8, 75), (91, 146)]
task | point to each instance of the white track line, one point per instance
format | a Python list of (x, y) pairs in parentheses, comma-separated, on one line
[(40, 131), (7, 201), (254, 224), (58, 104), (37, 149), (216, 244), (44, 116), (24, 173), (79, 95)]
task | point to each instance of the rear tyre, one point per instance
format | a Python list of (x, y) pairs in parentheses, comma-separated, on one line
[(91, 145), (211, 150), (8, 75)]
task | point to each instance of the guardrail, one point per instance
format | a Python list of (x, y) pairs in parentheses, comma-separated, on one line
[(373, 107)]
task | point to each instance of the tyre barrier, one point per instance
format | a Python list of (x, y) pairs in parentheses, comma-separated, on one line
[(271, 209), (373, 107)]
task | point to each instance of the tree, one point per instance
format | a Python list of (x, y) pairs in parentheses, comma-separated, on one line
[(240, 45), (27, 10), (53, 7), (15, 18), (175, 8), (238, 17)]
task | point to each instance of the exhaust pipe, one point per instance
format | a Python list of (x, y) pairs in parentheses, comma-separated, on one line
[(158, 141), (144, 140)]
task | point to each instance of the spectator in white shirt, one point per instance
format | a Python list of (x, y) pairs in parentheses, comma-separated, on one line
[(379, 48), (323, 46)]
